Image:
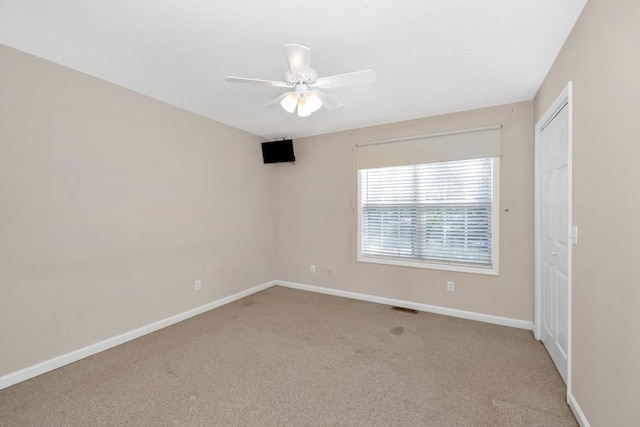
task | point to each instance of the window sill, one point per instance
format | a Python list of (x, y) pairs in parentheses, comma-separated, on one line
[(490, 271)]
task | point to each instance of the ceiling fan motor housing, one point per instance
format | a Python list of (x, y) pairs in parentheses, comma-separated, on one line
[(291, 79)]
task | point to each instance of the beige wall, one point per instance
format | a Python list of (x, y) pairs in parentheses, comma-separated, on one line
[(602, 58), (111, 205), (316, 205)]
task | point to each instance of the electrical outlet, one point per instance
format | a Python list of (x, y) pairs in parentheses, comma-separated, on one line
[(451, 286), (198, 285), (329, 271), (312, 269)]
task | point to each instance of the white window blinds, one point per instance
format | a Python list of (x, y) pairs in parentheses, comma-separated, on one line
[(431, 201), (440, 147), (439, 212)]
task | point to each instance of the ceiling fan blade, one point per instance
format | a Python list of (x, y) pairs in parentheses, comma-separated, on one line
[(347, 79), (275, 102), (329, 101), (299, 57), (273, 83)]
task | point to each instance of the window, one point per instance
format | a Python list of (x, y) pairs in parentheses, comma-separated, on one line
[(440, 215)]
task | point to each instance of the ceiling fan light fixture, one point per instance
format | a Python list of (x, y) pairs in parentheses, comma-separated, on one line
[(289, 102), (303, 108), (313, 101)]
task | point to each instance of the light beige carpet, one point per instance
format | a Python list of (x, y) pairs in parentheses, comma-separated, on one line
[(283, 357)]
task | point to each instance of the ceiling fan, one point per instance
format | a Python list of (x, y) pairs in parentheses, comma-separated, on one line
[(307, 94)]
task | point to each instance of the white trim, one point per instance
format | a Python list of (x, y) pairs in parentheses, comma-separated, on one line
[(470, 315), (537, 248), (495, 218), (73, 356), (458, 268), (430, 135), (577, 411), (565, 98)]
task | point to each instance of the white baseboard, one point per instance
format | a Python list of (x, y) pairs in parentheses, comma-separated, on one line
[(65, 359), (577, 411), (487, 318)]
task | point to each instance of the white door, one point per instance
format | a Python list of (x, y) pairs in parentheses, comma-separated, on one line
[(554, 239)]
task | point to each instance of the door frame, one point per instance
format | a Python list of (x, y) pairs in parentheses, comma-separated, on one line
[(565, 98)]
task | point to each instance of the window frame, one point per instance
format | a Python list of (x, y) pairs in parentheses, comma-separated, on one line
[(493, 270)]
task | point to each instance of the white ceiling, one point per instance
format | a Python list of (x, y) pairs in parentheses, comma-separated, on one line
[(430, 56)]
